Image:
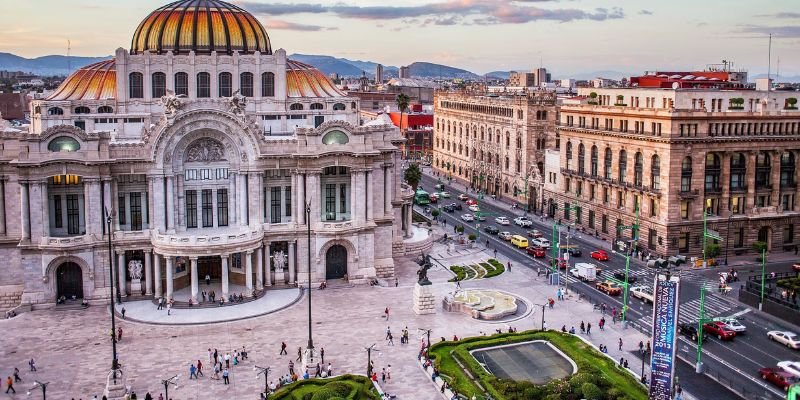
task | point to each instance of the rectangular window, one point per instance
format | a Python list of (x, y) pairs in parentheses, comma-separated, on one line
[(591, 219), (606, 195), (788, 233), (208, 208), (591, 192), (685, 209), (787, 202), (620, 199), (288, 192), (181, 84), (566, 211), (246, 84), (275, 205), (343, 198), (121, 209), (222, 207), (73, 214), (737, 204), (330, 202), (653, 207), (738, 238), (191, 209), (683, 242), (136, 211), (578, 215), (57, 214), (651, 239), (604, 223), (203, 85)]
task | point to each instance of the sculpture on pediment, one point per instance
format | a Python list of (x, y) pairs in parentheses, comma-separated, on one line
[(205, 150), (237, 103), (172, 103)]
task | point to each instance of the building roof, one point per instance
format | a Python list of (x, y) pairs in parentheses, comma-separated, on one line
[(303, 80), (93, 82), (201, 26), (412, 82)]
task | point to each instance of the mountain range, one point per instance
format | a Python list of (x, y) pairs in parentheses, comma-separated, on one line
[(45, 65), (355, 68)]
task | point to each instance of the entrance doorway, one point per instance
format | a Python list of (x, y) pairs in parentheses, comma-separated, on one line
[(765, 235), (209, 266), (336, 262), (69, 281)]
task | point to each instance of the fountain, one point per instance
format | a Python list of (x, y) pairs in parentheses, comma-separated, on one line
[(481, 304)]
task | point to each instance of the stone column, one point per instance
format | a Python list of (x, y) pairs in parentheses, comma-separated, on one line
[(148, 275), (171, 203), (797, 184), (259, 269), (224, 258), (292, 267), (370, 203), (264, 266), (387, 192), (25, 211), (751, 180), (301, 199), (241, 198), (157, 275), (775, 178), (121, 273), (108, 204), (3, 181), (46, 210), (194, 279), (409, 213), (248, 271), (355, 207), (725, 183), (256, 204), (114, 200), (295, 200), (233, 212), (90, 206), (170, 273), (158, 203)]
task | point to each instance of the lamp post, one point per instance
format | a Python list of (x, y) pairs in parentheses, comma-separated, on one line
[(310, 348), (543, 308), (265, 372), (41, 385), (554, 244), (728, 233), (114, 360), (428, 343), (170, 381), (369, 359), (763, 272), (635, 240)]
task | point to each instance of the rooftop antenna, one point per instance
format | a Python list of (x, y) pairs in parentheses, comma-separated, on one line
[(778, 72), (769, 62)]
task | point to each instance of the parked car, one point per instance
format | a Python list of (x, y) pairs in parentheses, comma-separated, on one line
[(718, 329), (734, 325), (620, 276), (448, 208), (599, 255), (463, 197), (474, 208), (468, 217), (505, 235), (523, 222), (778, 377), (491, 229), (609, 288), (541, 242), (502, 221), (643, 293), (537, 252), (690, 331), (534, 233), (444, 195), (789, 339)]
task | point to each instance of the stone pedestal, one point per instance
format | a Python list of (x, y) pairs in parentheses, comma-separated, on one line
[(423, 300), (310, 361), (136, 287), (280, 278), (115, 391)]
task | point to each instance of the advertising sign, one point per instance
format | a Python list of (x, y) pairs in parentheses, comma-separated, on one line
[(665, 319)]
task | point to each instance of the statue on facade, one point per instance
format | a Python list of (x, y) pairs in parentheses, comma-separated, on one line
[(279, 260), (172, 103), (135, 269), (422, 273), (237, 103)]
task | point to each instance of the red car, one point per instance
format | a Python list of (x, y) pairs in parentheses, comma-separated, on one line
[(599, 255), (471, 202), (796, 267), (434, 198), (778, 377), (537, 252), (719, 330)]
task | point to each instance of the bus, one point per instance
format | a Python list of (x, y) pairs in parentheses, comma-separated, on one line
[(422, 198)]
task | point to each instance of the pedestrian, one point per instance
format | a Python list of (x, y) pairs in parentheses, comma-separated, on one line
[(641, 347), (169, 307), (391, 340), (389, 372), (589, 328), (583, 327), (227, 360), (330, 369), (322, 354), (396, 282), (603, 308), (208, 279), (647, 348), (509, 266), (291, 367), (225, 376), (621, 360), (299, 354), (10, 385), (386, 313), (620, 344), (383, 375), (192, 371), (199, 368), (160, 303), (388, 333), (625, 364), (283, 349), (495, 250), (119, 333), (32, 364), (123, 312), (602, 323), (318, 374), (16, 375), (614, 314)]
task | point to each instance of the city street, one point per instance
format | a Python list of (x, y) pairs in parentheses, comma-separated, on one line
[(744, 354)]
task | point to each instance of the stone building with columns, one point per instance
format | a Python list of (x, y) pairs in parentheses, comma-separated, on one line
[(201, 152), (673, 154)]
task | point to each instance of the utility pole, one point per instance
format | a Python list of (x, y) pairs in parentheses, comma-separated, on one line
[(114, 359), (763, 272), (635, 240), (265, 371), (555, 245), (369, 359)]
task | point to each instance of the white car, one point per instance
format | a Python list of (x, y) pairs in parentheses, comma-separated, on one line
[(444, 195), (786, 338), (643, 293), (541, 242), (474, 208), (502, 220), (468, 217), (523, 222), (734, 325), (505, 235), (792, 367)]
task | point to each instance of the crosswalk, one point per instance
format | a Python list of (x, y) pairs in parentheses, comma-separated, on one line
[(689, 312)]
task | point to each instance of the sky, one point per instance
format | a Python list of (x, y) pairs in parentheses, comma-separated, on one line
[(565, 36)]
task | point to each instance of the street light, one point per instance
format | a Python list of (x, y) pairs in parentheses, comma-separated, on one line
[(170, 381), (543, 308), (265, 372), (369, 359), (634, 241), (428, 344), (114, 360), (310, 348), (41, 385)]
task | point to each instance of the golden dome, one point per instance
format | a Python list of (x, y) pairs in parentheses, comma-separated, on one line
[(303, 80), (200, 25), (96, 81)]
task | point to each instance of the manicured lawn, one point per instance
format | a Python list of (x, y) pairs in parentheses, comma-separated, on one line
[(350, 387), (598, 377)]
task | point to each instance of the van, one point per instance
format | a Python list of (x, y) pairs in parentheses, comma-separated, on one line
[(519, 241)]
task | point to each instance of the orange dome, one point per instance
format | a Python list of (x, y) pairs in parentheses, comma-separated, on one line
[(202, 26), (96, 81), (303, 80)]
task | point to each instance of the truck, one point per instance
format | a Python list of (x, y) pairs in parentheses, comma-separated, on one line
[(585, 272), (643, 293)]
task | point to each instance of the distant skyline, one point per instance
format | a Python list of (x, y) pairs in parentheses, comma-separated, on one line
[(566, 36)]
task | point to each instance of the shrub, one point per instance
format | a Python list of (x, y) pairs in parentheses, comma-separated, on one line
[(759, 246), (712, 250), (472, 237), (460, 229), (591, 391), (340, 388), (435, 213), (459, 271), (325, 394)]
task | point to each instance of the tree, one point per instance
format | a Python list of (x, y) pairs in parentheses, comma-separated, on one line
[(759, 247), (402, 104), (712, 250), (413, 175)]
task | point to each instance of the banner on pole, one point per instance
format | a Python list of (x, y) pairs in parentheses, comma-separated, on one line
[(665, 319)]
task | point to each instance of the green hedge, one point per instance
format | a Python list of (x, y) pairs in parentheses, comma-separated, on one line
[(790, 283), (460, 272), (350, 387), (598, 376), (493, 268)]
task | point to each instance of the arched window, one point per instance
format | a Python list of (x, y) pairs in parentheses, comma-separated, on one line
[(339, 107), (353, 105), (203, 85), (581, 158), (317, 106), (135, 85), (159, 84), (569, 154), (787, 169), (268, 84), (508, 139), (712, 183), (594, 161), (607, 160), (181, 84), (686, 174), (82, 110), (623, 166), (638, 166), (296, 107), (225, 85), (105, 110), (763, 168), (246, 84), (655, 172), (55, 111), (738, 172), (63, 143)]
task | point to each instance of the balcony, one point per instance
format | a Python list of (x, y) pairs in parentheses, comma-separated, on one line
[(713, 190), (688, 194), (738, 189)]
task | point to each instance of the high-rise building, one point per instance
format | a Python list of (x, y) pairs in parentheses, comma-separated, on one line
[(405, 72), (675, 154), (379, 74), (521, 79)]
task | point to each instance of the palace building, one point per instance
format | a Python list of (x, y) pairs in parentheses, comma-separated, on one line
[(213, 155)]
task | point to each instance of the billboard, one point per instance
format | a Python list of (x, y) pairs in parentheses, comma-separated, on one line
[(665, 319)]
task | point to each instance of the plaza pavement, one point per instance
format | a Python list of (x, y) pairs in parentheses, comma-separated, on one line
[(73, 352)]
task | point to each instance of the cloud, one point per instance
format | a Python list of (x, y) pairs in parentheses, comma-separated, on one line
[(645, 12), (292, 26), (448, 12), (789, 31), (785, 14)]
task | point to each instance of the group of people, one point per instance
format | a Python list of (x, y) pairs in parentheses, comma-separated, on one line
[(221, 364)]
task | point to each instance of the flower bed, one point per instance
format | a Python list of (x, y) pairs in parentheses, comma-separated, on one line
[(350, 387)]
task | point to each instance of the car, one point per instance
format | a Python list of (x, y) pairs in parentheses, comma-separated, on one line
[(444, 195), (457, 206), (474, 208), (734, 325), (433, 198), (536, 252), (620, 276), (573, 250), (792, 367), (562, 263), (505, 235), (541, 242), (599, 255), (789, 339), (448, 208), (796, 267), (643, 293), (463, 197), (523, 222), (481, 217), (471, 202), (609, 288), (491, 229), (718, 329), (468, 217), (778, 377), (690, 331), (502, 221), (534, 233)]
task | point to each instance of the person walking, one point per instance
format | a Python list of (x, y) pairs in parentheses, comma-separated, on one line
[(509, 266), (208, 279), (589, 328), (32, 364), (291, 367), (641, 347), (330, 370), (160, 303), (119, 333), (199, 369), (227, 360), (386, 313), (388, 333), (391, 340), (10, 385), (123, 312), (283, 349), (318, 374), (389, 372), (169, 307), (322, 354), (16, 375), (620, 344), (583, 327), (226, 376), (192, 371), (299, 354)]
